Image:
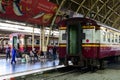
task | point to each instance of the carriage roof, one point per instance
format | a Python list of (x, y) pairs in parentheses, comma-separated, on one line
[(85, 22)]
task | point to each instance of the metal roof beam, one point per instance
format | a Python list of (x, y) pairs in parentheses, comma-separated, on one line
[(108, 12), (75, 2), (113, 11), (57, 2), (80, 6), (53, 21), (91, 8), (92, 11), (115, 22), (98, 14), (100, 9)]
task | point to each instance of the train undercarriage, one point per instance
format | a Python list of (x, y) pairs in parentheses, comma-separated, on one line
[(90, 64)]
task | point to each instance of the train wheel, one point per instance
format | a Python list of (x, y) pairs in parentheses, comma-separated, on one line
[(61, 61), (117, 59), (92, 64), (75, 60)]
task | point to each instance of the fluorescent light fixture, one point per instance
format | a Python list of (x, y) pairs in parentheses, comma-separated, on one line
[(26, 29)]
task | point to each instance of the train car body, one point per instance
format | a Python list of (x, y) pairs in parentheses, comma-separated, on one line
[(23, 41), (84, 39), (4, 41)]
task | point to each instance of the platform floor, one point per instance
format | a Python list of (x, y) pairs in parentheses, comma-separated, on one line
[(7, 68)]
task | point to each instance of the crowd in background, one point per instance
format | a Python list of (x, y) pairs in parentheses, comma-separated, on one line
[(28, 56)]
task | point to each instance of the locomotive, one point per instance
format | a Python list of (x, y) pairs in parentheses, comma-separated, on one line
[(87, 43)]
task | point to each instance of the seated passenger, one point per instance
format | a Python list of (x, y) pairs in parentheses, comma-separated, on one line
[(31, 55), (27, 58), (35, 54), (42, 54)]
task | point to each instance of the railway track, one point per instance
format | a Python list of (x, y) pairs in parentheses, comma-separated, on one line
[(47, 75), (66, 73)]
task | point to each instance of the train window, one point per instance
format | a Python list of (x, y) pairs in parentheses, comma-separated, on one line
[(112, 37), (119, 39), (55, 42), (51, 42), (116, 38), (37, 41), (108, 36), (64, 36), (104, 36)]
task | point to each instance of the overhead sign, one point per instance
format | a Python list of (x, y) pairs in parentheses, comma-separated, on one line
[(30, 11)]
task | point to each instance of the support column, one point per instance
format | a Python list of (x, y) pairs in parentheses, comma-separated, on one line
[(54, 18), (42, 38), (33, 39)]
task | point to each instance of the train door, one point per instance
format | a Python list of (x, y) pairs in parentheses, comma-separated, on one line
[(74, 39), (15, 42), (74, 42)]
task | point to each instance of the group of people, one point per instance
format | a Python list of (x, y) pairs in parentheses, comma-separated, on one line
[(33, 54), (52, 51)]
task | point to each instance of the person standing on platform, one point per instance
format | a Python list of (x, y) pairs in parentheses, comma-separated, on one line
[(50, 52), (13, 55), (7, 52), (54, 52), (35, 54)]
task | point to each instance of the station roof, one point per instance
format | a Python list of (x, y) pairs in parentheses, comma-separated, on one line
[(104, 11)]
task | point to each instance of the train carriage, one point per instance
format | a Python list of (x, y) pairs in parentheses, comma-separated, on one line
[(23, 41), (86, 42)]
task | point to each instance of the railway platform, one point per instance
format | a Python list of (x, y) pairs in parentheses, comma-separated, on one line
[(8, 70)]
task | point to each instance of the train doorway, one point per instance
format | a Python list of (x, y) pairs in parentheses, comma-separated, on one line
[(15, 42), (74, 42), (74, 39)]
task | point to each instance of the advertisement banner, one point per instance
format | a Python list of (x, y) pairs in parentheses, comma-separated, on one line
[(30, 11)]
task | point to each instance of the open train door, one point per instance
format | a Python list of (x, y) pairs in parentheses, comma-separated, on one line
[(15, 42), (74, 42)]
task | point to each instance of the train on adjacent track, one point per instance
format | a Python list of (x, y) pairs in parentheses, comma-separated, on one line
[(87, 43), (23, 41)]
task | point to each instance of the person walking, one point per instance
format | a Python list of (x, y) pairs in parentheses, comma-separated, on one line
[(13, 55)]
